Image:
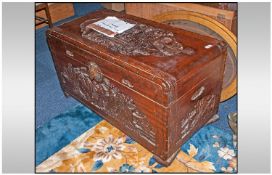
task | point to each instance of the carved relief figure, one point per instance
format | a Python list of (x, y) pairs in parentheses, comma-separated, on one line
[(89, 84), (201, 108), (140, 40)]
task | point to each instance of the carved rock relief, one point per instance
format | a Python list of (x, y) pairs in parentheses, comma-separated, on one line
[(89, 84), (140, 40)]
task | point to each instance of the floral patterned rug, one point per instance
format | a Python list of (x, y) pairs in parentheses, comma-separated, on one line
[(104, 148)]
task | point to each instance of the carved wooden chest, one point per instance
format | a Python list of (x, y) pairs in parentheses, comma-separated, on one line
[(156, 83)]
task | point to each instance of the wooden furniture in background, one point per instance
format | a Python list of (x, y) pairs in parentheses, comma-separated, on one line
[(226, 7), (114, 6), (148, 10), (40, 19), (156, 83), (58, 11)]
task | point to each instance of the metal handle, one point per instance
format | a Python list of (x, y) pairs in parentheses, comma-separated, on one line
[(198, 93), (127, 83), (69, 53)]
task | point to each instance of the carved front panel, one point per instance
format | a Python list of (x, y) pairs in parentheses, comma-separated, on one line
[(202, 107), (90, 84), (140, 40)]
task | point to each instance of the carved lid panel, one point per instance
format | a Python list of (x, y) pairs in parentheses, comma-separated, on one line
[(149, 48), (141, 40)]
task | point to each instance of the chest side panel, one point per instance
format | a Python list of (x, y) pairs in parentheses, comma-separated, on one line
[(196, 106)]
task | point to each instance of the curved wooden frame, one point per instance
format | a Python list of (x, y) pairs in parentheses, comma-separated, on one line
[(215, 26)]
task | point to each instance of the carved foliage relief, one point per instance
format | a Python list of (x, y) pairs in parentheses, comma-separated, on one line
[(201, 108), (89, 84), (140, 40)]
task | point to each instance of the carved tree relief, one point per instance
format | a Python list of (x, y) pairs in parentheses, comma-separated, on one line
[(89, 84), (201, 108), (140, 40)]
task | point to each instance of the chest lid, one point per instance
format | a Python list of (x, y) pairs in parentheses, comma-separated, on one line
[(158, 52)]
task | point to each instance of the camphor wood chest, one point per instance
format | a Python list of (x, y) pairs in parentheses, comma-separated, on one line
[(156, 83)]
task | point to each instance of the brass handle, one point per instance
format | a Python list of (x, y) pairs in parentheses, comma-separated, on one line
[(127, 83), (198, 93), (69, 53)]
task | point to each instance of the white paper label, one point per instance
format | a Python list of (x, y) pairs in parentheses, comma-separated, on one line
[(114, 24)]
